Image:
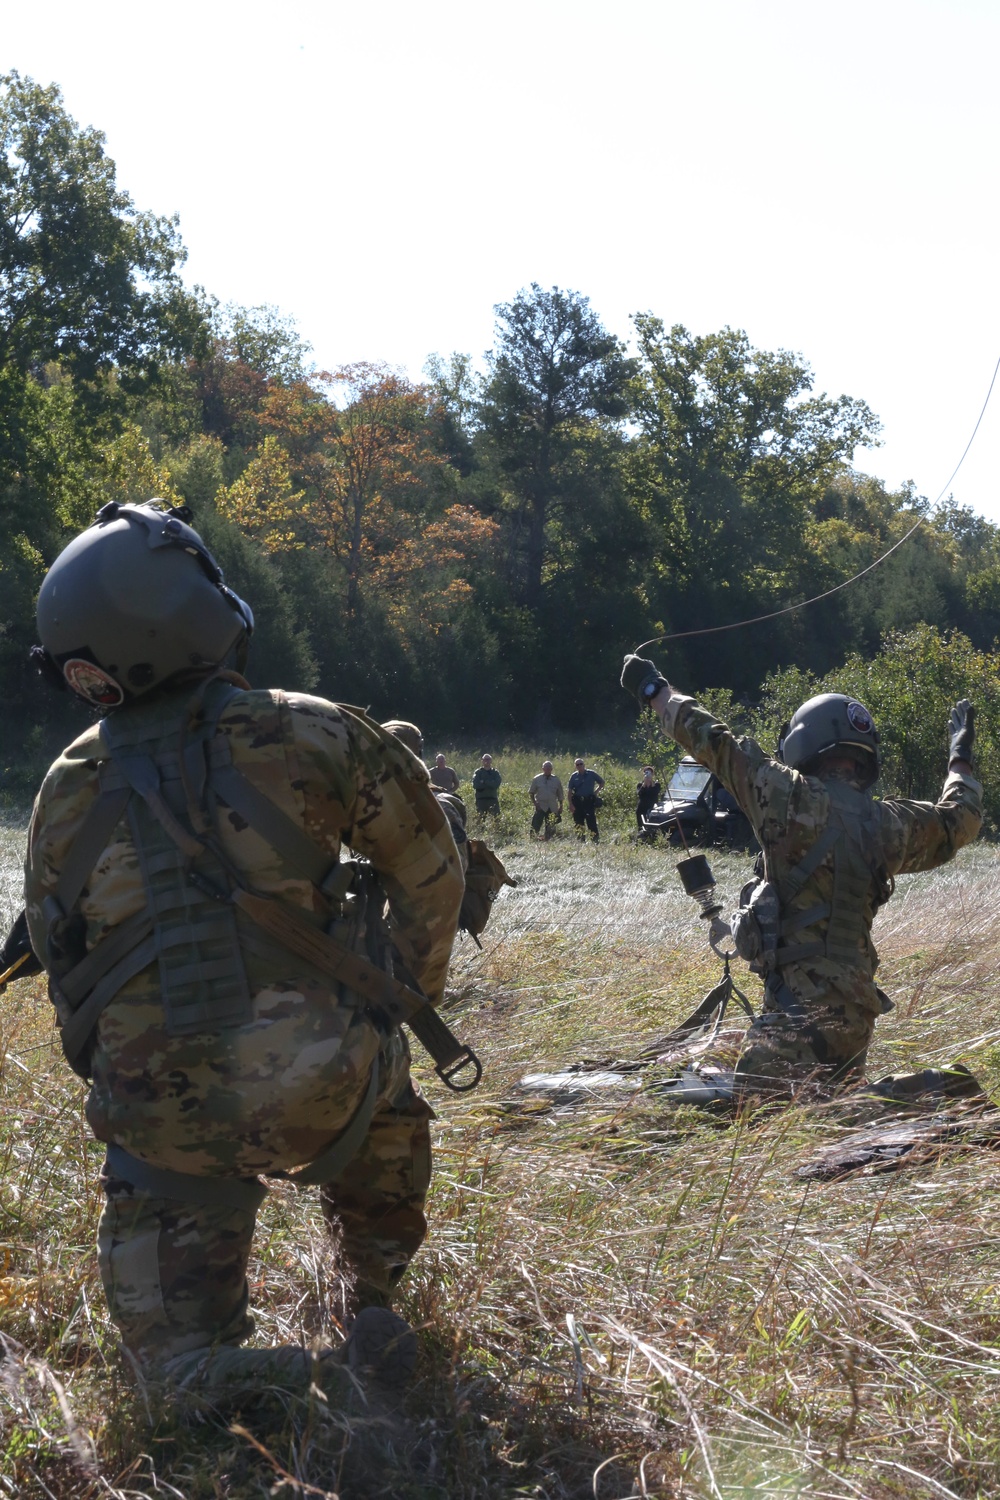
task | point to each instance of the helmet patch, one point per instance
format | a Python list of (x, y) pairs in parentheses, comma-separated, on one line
[(92, 682), (859, 718)]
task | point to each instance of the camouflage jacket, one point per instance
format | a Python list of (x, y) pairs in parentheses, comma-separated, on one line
[(789, 811), (263, 1094)]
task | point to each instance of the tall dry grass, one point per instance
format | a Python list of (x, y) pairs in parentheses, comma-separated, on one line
[(617, 1298)]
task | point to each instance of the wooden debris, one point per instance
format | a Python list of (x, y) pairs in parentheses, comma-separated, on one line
[(905, 1143)]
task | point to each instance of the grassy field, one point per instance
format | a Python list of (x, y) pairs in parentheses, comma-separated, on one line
[(617, 1299)]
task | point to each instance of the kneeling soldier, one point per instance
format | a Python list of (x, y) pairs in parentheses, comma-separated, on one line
[(830, 853)]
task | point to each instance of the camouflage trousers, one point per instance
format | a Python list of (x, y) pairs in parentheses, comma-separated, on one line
[(826, 1042), (175, 1273)]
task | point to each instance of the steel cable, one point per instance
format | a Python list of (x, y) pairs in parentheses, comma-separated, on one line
[(790, 609)]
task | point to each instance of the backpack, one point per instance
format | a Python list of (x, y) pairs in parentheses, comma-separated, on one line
[(483, 880)]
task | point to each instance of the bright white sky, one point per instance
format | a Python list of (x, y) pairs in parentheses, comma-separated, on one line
[(821, 173)]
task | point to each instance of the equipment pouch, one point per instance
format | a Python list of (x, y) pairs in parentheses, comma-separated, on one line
[(483, 880), (755, 924)]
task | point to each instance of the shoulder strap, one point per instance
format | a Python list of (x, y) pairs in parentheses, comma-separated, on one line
[(795, 878), (92, 839), (265, 817), (77, 1028)]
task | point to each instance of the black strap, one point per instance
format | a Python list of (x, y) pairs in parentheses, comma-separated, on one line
[(717, 999), (143, 777), (104, 956), (796, 953), (795, 878), (275, 827), (92, 839), (76, 1029), (806, 918)]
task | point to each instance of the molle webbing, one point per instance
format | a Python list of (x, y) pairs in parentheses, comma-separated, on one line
[(195, 900), (203, 982), (852, 835), (857, 857)]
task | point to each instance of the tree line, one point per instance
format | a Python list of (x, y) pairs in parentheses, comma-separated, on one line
[(475, 549)]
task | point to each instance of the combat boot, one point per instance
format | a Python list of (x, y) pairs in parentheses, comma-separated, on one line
[(929, 1086), (381, 1346), (232, 1370)]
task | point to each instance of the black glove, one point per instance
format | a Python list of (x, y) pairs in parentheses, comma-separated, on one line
[(641, 679), (962, 725)]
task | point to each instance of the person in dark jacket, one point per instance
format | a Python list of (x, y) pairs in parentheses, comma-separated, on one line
[(583, 788), (486, 783)]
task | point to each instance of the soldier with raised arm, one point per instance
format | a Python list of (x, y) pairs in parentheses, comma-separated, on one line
[(830, 853)]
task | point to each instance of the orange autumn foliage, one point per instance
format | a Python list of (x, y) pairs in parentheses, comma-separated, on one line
[(347, 463)]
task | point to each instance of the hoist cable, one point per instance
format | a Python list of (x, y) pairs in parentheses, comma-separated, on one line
[(790, 609)]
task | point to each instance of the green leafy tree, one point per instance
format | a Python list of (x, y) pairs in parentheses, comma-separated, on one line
[(455, 390), (735, 451), (92, 308), (86, 280), (264, 339), (262, 501)]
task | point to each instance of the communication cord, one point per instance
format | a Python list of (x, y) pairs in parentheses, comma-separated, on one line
[(790, 609)]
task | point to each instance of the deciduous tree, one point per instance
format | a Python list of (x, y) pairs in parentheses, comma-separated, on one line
[(86, 279)]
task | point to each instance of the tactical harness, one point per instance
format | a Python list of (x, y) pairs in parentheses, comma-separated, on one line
[(761, 930), (198, 916)]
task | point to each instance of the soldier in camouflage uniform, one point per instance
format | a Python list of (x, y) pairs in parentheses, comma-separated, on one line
[(217, 1053), (831, 852), (451, 803), (408, 734)]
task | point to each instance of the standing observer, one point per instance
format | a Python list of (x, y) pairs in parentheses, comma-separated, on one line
[(583, 787), (186, 888), (546, 793), (486, 784), (443, 776)]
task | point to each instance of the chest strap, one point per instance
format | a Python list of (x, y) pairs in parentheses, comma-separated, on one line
[(795, 878), (90, 843)]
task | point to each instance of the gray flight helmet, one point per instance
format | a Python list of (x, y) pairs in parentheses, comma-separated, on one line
[(828, 722), (134, 600)]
